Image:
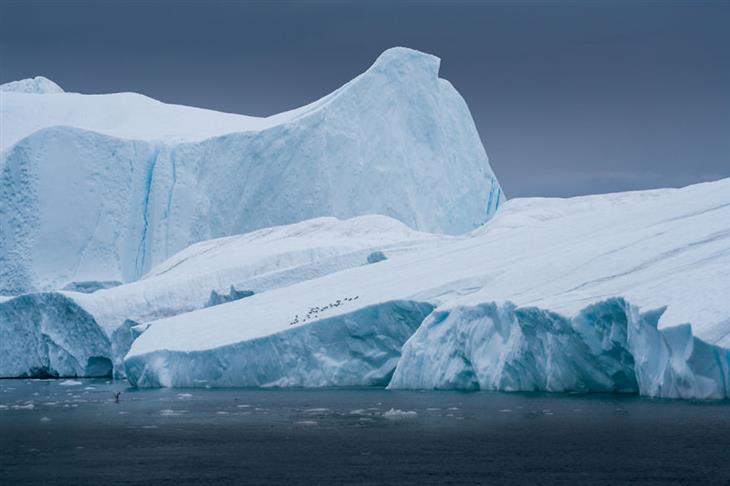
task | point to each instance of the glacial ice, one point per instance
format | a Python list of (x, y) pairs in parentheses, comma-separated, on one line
[(205, 274), (653, 248), (217, 298), (125, 182), (549, 294), (48, 334), (360, 348), (608, 347), (91, 286), (37, 85)]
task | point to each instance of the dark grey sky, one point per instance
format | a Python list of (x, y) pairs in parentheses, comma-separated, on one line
[(569, 97)]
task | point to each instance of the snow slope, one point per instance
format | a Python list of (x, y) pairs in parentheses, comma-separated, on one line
[(104, 187), (204, 274), (656, 248)]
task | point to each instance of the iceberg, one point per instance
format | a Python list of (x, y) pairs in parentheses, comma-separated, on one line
[(205, 274), (123, 182), (577, 271)]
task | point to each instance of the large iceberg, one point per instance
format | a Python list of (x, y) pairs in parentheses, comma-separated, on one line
[(563, 262), (104, 187), (309, 304)]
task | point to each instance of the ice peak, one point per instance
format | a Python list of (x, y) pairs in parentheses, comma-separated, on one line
[(403, 60), (37, 85)]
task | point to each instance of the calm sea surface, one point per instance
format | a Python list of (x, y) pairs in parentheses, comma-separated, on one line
[(56, 433)]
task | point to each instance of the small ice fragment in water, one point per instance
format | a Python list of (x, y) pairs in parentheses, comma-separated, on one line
[(505, 410), (221, 412), (397, 414), (168, 412), (244, 406), (182, 396), (307, 422), (317, 410), (70, 383), (45, 420)]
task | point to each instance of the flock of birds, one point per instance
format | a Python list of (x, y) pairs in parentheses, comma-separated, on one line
[(313, 312)]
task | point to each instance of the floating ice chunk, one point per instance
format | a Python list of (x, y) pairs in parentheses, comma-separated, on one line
[(71, 383), (308, 423), (397, 414), (168, 412)]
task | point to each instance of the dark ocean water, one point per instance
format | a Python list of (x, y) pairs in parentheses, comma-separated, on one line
[(78, 435)]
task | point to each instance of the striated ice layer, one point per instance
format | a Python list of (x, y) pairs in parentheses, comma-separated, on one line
[(607, 347), (355, 349), (126, 182)]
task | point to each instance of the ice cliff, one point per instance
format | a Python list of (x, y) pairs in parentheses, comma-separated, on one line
[(104, 187), (608, 347)]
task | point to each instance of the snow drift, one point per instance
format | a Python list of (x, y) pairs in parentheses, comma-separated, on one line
[(104, 187)]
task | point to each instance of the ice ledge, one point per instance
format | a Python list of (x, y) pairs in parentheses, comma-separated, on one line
[(37, 85)]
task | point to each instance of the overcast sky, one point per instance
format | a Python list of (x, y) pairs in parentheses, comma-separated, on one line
[(569, 97)]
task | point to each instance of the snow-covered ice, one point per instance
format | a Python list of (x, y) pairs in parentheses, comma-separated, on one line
[(192, 248), (106, 322), (37, 85), (558, 256), (100, 188)]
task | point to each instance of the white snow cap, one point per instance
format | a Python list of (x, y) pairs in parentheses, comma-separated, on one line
[(37, 85)]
